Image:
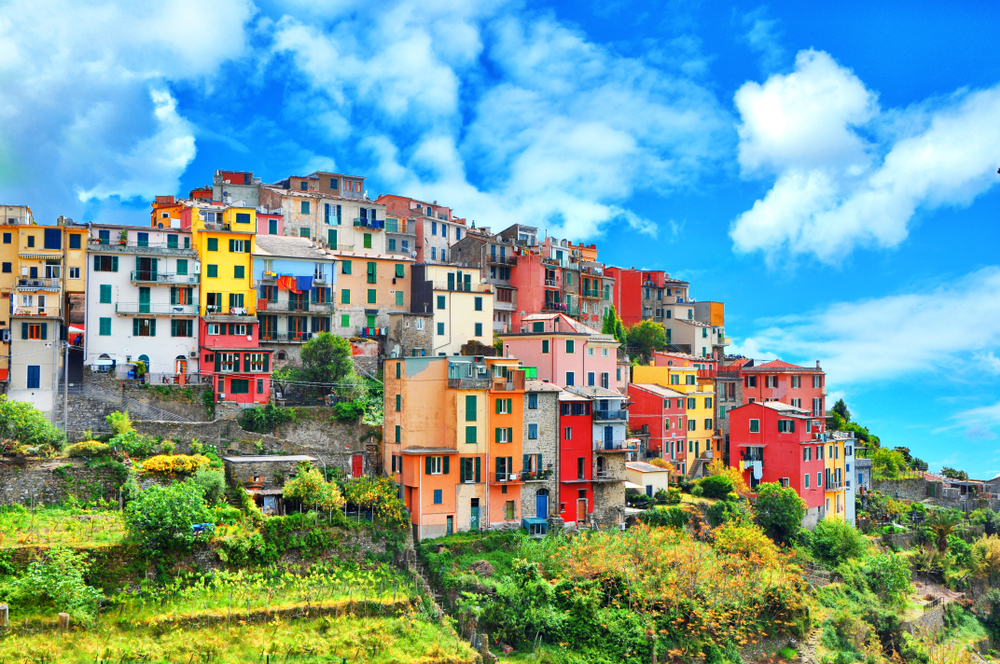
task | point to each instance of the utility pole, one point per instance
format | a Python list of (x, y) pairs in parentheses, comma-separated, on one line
[(66, 389)]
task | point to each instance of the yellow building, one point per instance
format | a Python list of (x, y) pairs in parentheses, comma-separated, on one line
[(224, 239), (462, 305), (833, 479)]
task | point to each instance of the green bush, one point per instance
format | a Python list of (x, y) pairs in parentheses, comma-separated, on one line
[(673, 496), (724, 511), (266, 419), (119, 422), (88, 449), (697, 491), (779, 512), (672, 517), (348, 411), (888, 576), (27, 428), (161, 517), (835, 541), (716, 486), (212, 484), (58, 581), (133, 443)]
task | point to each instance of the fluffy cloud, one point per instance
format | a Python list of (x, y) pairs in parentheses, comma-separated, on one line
[(505, 114), (938, 331), (847, 173), (87, 112)]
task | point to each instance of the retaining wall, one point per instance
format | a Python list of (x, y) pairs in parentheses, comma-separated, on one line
[(908, 489), (48, 481)]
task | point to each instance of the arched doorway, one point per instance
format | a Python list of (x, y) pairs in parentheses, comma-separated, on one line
[(542, 504), (180, 365), (145, 360)]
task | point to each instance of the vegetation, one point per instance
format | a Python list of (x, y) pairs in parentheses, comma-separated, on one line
[(88, 449), (162, 517), (56, 580), (312, 489), (779, 511), (265, 420), (613, 325), (645, 337), (834, 542), (26, 430)]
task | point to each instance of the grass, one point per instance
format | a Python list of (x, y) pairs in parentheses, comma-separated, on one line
[(403, 639), (59, 526)]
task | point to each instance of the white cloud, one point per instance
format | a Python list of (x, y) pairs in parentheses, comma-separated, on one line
[(936, 331), (505, 114), (847, 173), (763, 39), (87, 111)]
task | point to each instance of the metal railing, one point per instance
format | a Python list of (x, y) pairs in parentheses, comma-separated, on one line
[(54, 311), (469, 383), (613, 446), (554, 306), (607, 476), (610, 414), (115, 246), (294, 307), (148, 276), (285, 337), (157, 308), (38, 283), (372, 224)]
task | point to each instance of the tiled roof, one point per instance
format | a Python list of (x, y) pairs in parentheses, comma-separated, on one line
[(595, 392), (644, 467), (778, 365), (289, 247), (657, 389), (540, 386)]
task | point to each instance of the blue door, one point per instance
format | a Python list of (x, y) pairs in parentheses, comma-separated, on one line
[(34, 376), (609, 439), (542, 504)]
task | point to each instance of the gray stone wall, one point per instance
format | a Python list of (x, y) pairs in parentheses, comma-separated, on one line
[(931, 621), (609, 497), (909, 489), (49, 482), (546, 417), (267, 471), (403, 332)]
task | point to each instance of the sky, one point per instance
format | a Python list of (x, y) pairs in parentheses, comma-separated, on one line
[(828, 170)]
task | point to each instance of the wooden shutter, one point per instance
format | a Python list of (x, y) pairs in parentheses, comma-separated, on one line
[(525, 463), (510, 405), (114, 263), (135, 327), (477, 470), (267, 363), (510, 465), (497, 431), (427, 464), (444, 465), (45, 330), (152, 327), (236, 361), (97, 263), (24, 330), (539, 466), (461, 471), (510, 434), (498, 409), (218, 362)]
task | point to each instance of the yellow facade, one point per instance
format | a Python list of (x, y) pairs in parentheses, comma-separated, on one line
[(834, 478), (699, 405), (226, 254)]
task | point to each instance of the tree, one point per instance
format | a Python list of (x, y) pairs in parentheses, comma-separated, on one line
[(717, 486), (23, 425), (740, 488), (835, 541), (58, 580), (212, 484), (325, 359), (309, 487), (954, 474), (942, 523), (613, 325), (779, 511), (161, 517), (841, 409), (644, 338)]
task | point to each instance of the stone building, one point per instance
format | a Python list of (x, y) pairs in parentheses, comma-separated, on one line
[(263, 477), (410, 335), (539, 495)]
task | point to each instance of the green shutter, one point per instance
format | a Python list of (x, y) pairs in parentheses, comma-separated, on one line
[(45, 330), (477, 470), (470, 408), (24, 330), (444, 465), (152, 327), (525, 462), (461, 470), (267, 363), (135, 327), (427, 465), (247, 246), (114, 263), (236, 361), (539, 466), (173, 295), (218, 363), (398, 439), (97, 263), (232, 246), (510, 465), (510, 434), (246, 362), (510, 405), (470, 435), (498, 408), (497, 433)]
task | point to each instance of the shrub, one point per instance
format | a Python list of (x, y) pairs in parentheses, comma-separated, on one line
[(309, 486), (266, 419), (835, 541), (888, 575), (226, 514), (673, 496), (672, 517), (716, 486), (779, 511), (23, 425), (133, 443), (166, 447), (174, 464), (749, 542), (161, 517), (119, 422), (212, 483), (697, 491), (88, 449), (726, 511), (348, 411), (58, 580), (660, 497)]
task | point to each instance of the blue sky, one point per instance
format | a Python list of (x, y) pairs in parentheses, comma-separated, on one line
[(827, 171)]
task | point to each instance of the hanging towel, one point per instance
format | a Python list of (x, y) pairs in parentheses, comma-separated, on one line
[(288, 283), (304, 283), (758, 469)]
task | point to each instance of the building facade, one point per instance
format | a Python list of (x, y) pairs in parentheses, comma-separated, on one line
[(462, 306)]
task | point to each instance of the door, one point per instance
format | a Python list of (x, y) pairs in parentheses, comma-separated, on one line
[(474, 515), (581, 510), (357, 465), (180, 366), (451, 526), (41, 304), (542, 504), (144, 299), (34, 376), (609, 438)]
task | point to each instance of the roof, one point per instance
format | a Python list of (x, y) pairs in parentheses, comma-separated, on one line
[(784, 407), (643, 467), (229, 318), (595, 392), (575, 326), (656, 389), (370, 256), (565, 395), (429, 450), (540, 386), (269, 457), (686, 356), (289, 247), (778, 365), (316, 194)]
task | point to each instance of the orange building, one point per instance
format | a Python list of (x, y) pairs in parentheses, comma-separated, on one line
[(506, 424)]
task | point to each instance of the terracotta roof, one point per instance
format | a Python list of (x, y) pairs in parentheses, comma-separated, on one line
[(778, 365)]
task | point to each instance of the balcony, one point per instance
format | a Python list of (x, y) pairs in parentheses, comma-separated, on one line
[(156, 308), (607, 476), (536, 475), (471, 383), (153, 248), (294, 307), (610, 415), (554, 306), (508, 478), (835, 486), (504, 306), (501, 260), (551, 283), (614, 446), (267, 336), (150, 277), (38, 284), (372, 224), (53, 312)]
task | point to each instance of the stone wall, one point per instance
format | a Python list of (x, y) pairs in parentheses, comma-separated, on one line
[(403, 333), (931, 621), (189, 406), (909, 489), (609, 497), (49, 482), (546, 418)]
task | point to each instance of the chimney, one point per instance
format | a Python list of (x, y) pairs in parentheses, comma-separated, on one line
[(817, 364)]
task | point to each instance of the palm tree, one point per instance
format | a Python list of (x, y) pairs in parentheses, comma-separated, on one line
[(942, 523)]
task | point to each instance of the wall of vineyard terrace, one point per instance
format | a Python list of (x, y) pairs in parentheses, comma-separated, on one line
[(50, 482)]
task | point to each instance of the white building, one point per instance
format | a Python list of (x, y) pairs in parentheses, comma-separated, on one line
[(142, 301)]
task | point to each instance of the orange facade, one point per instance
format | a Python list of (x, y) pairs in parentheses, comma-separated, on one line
[(506, 426)]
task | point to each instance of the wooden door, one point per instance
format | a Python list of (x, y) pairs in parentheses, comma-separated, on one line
[(357, 465)]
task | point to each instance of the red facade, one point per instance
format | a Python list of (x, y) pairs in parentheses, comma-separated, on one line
[(797, 386), (576, 467), (780, 439), (663, 412), (627, 294), (232, 356)]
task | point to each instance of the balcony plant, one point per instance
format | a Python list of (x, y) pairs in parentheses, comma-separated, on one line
[(123, 236)]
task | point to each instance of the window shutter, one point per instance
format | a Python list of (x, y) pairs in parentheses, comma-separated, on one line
[(218, 363), (173, 295), (97, 263), (246, 246), (236, 361), (539, 463), (114, 263), (500, 474), (445, 467), (45, 330), (267, 363), (525, 462), (135, 327), (510, 465), (246, 361), (461, 471), (497, 432), (510, 434), (477, 470), (231, 245), (152, 327), (510, 405), (498, 408), (427, 465), (24, 330)]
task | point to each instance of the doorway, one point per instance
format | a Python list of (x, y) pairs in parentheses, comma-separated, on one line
[(451, 526), (41, 304), (542, 504), (357, 465), (474, 515), (581, 510)]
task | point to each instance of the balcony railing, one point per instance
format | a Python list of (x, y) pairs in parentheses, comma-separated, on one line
[(613, 446), (52, 311), (501, 260), (284, 337), (157, 308), (161, 248), (535, 475), (508, 478), (373, 224), (148, 276), (294, 307), (469, 383), (31, 284), (607, 476), (554, 306), (610, 414), (551, 283)]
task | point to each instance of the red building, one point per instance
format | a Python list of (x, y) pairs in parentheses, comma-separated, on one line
[(576, 468), (231, 354), (662, 411), (774, 442), (802, 387), (539, 287), (640, 295)]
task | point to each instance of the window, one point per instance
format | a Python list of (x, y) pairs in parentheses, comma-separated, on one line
[(440, 329), (570, 345), (751, 381), (182, 266), (181, 328), (819, 482), (471, 434), (7, 237), (434, 253), (228, 362), (479, 329), (786, 426), (7, 268), (52, 238), (372, 296), (105, 296), (666, 424), (345, 267), (105, 327), (708, 424), (31, 240), (545, 345), (675, 379), (807, 481), (796, 382), (570, 379), (212, 271), (345, 296), (532, 432), (143, 327), (532, 401), (591, 378), (817, 381), (398, 439), (807, 454), (105, 263), (236, 300), (692, 425), (239, 272), (367, 240), (590, 352), (260, 386), (74, 240), (239, 386), (213, 244), (434, 228), (304, 231), (771, 382), (479, 303), (304, 206), (213, 329), (440, 301), (754, 426), (692, 403), (568, 433), (239, 246), (242, 217), (435, 465), (405, 244), (708, 402), (258, 362), (819, 452), (689, 379), (437, 497)]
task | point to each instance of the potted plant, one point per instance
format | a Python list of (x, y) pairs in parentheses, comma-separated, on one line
[(140, 370), (123, 237)]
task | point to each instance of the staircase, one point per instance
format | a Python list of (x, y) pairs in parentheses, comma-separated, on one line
[(138, 410)]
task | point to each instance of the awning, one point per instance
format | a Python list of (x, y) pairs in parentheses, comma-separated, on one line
[(103, 363), (752, 445), (55, 256), (633, 485)]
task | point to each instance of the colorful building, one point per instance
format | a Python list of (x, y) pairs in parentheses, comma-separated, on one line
[(370, 287), (540, 449), (576, 453), (564, 351), (662, 413), (434, 227), (461, 304), (342, 223), (505, 442), (802, 387)]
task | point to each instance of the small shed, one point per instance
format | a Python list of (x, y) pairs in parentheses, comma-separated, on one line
[(649, 477), (263, 477), (535, 526)]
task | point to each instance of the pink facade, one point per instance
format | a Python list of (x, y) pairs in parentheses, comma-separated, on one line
[(564, 351), (780, 439), (664, 414), (538, 287), (270, 224), (231, 354), (797, 386)]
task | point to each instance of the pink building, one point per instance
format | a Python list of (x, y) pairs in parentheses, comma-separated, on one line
[(231, 355), (802, 387), (270, 223), (564, 351), (539, 287)]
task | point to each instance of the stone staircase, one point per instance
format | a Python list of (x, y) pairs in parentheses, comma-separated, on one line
[(137, 410)]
